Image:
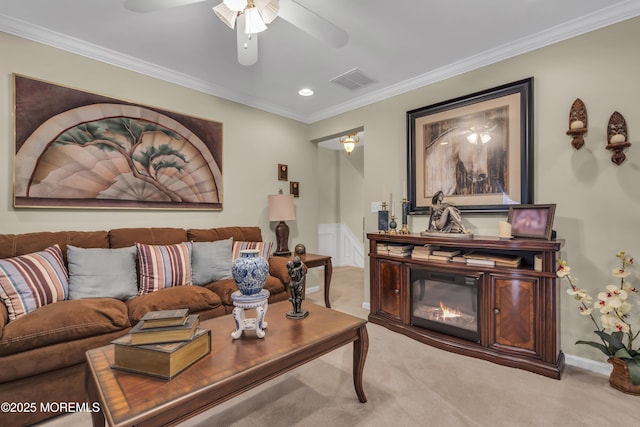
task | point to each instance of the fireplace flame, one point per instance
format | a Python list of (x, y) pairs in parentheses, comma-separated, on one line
[(448, 312)]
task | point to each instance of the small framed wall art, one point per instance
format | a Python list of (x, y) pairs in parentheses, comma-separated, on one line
[(535, 221), (294, 188), (283, 172)]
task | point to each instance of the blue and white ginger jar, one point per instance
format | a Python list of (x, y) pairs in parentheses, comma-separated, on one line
[(250, 272)]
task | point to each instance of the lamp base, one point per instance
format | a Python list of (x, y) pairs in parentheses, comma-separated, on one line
[(287, 253), (282, 239)]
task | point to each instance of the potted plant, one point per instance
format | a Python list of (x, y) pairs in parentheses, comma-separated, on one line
[(614, 328)]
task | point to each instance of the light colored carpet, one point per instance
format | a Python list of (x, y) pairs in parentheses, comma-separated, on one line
[(408, 383)]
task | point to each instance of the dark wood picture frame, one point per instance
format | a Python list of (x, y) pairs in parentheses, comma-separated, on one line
[(77, 149), (283, 172), (477, 149), (533, 221), (294, 188)]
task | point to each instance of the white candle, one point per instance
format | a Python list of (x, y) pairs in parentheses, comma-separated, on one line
[(391, 203), (618, 137), (384, 193), (404, 190), (504, 229), (577, 124)]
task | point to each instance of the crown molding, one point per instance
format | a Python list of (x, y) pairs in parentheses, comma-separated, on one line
[(47, 37), (602, 18)]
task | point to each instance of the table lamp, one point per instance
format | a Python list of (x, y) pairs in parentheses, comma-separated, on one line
[(281, 209)]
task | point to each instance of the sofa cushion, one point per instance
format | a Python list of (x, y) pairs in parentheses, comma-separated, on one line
[(211, 261), (249, 234), (19, 244), (264, 248), (30, 281), (195, 298), (98, 272), (123, 237), (163, 266), (64, 321)]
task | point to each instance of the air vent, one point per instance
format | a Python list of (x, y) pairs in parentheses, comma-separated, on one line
[(352, 80)]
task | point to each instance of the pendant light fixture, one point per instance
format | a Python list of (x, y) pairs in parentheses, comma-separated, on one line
[(349, 142)]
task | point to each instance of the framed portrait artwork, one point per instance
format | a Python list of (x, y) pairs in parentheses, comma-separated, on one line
[(476, 149), (76, 149), (534, 221), (283, 172), (294, 188)]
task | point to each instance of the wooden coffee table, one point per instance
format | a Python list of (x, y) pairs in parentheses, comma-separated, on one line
[(233, 367)]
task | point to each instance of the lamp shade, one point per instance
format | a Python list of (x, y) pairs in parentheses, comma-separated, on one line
[(237, 5), (281, 207), (226, 15), (254, 22)]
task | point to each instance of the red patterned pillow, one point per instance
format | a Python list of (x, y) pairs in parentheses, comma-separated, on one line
[(264, 248), (163, 266), (30, 281)]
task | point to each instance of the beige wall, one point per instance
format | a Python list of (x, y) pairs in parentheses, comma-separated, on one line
[(254, 143), (598, 203)]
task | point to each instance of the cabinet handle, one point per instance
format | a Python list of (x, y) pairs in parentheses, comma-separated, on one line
[(397, 291), (496, 311)]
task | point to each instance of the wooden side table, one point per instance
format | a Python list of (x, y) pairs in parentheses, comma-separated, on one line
[(315, 260)]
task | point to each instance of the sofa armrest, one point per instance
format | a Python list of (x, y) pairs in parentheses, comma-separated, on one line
[(278, 269)]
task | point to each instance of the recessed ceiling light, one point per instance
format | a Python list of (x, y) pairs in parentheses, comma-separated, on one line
[(305, 92)]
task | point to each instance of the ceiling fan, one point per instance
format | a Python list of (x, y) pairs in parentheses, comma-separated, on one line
[(249, 17)]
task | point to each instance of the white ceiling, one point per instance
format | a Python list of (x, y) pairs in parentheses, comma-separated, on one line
[(400, 44)]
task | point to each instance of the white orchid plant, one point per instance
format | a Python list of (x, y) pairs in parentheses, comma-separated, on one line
[(614, 307)]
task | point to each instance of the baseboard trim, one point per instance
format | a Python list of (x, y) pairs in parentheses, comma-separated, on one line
[(588, 364)]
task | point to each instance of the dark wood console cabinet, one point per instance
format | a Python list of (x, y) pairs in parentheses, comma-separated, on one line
[(519, 319)]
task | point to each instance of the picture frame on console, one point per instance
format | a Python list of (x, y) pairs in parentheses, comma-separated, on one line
[(532, 221), (477, 149)]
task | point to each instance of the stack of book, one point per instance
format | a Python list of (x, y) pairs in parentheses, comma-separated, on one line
[(492, 260), (443, 254), (163, 344), (382, 248), (423, 252), (400, 250)]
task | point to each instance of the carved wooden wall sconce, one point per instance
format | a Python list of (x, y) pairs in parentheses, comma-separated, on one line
[(577, 123), (617, 138)]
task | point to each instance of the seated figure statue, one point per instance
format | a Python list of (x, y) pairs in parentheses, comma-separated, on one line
[(444, 218)]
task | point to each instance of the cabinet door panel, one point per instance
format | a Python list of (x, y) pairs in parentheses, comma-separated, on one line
[(515, 312), (391, 281)]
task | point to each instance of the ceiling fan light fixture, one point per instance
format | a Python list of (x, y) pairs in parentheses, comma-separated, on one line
[(226, 15), (254, 23), (235, 5), (247, 44), (268, 9)]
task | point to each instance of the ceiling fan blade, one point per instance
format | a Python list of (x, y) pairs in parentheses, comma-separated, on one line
[(312, 23), (151, 5)]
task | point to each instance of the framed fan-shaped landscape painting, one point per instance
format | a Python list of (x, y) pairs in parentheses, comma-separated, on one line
[(78, 149)]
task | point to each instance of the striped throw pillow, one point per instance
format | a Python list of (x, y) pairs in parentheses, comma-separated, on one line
[(163, 266), (30, 281), (264, 248)]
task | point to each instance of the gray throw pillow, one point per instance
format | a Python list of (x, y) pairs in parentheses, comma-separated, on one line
[(98, 272), (211, 261)]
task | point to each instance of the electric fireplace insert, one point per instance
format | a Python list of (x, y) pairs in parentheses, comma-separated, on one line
[(445, 302)]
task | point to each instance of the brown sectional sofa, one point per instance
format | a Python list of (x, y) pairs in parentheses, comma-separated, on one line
[(42, 353)]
